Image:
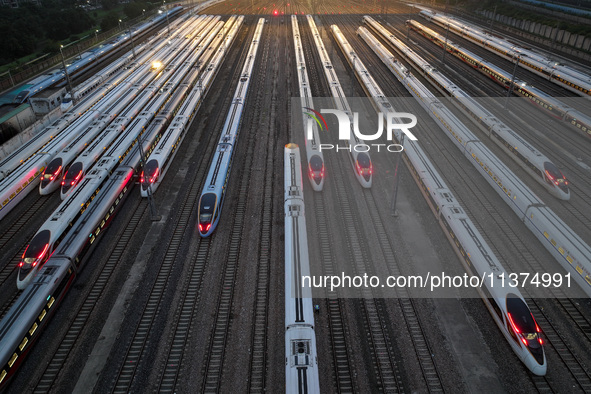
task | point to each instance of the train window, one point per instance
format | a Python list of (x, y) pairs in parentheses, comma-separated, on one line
[(553, 174), (520, 315), (207, 207), (38, 247), (316, 163)]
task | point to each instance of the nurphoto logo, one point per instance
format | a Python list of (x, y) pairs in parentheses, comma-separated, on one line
[(355, 140)]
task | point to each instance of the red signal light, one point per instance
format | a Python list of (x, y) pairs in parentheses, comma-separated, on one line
[(275, 12)]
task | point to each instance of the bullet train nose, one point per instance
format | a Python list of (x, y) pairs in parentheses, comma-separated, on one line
[(71, 179), (150, 174), (537, 369), (51, 176), (204, 229)]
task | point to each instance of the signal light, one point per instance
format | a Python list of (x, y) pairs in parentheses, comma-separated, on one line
[(20, 264), (275, 12)]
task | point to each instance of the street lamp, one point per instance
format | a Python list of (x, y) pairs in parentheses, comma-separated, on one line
[(67, 75), (167, 21), (119, 24), (143, 13), (96, 35), (517, 59), (131, 39)]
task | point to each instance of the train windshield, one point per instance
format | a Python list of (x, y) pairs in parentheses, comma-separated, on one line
[(37, 249), (316, 163), (520, 315), (73, 175), (52, 170), (363, 160), (206, 207), (150, 174), (21, 96), (554, 175)]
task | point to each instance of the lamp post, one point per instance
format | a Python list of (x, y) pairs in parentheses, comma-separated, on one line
[(96, 35), (119, 24), (143, 13), (445, 45), (67, 75), (167, 21), (153, 211), (512, 80), (131, 38), (396, 180)]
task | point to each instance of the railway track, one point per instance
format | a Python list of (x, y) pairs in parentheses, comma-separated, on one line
[(558, 342), (343, 373), (70, 339), (136, 348), (519, 251), (386, 368), (213, 362), (384, 365), (258, 358)]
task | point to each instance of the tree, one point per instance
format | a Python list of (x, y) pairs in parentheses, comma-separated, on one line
[(133, 10), (109, 21), (109, 4)]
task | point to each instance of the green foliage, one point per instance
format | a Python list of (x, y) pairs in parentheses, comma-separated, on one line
[(109, 21), (26, 29), (133, 9), (109, 4)]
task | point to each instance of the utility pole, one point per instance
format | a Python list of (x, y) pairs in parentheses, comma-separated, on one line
[(512, 81), (131, 38), (493, 17), (71, 90), (445, 44), (396, 180), (153, 211)]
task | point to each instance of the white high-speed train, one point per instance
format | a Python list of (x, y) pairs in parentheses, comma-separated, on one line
[(506, 304), (567, 247), (216, 183), (301, 360), (316, 170), (360, 159)]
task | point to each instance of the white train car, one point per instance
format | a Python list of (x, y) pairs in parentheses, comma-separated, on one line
[(542, 100), (25, 321), (360, 160), (573, 254), (216, 183), (157, 78), (159, 161), (505, 304), (316, 169), (537, 165), (569, 78), (301, 360)]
